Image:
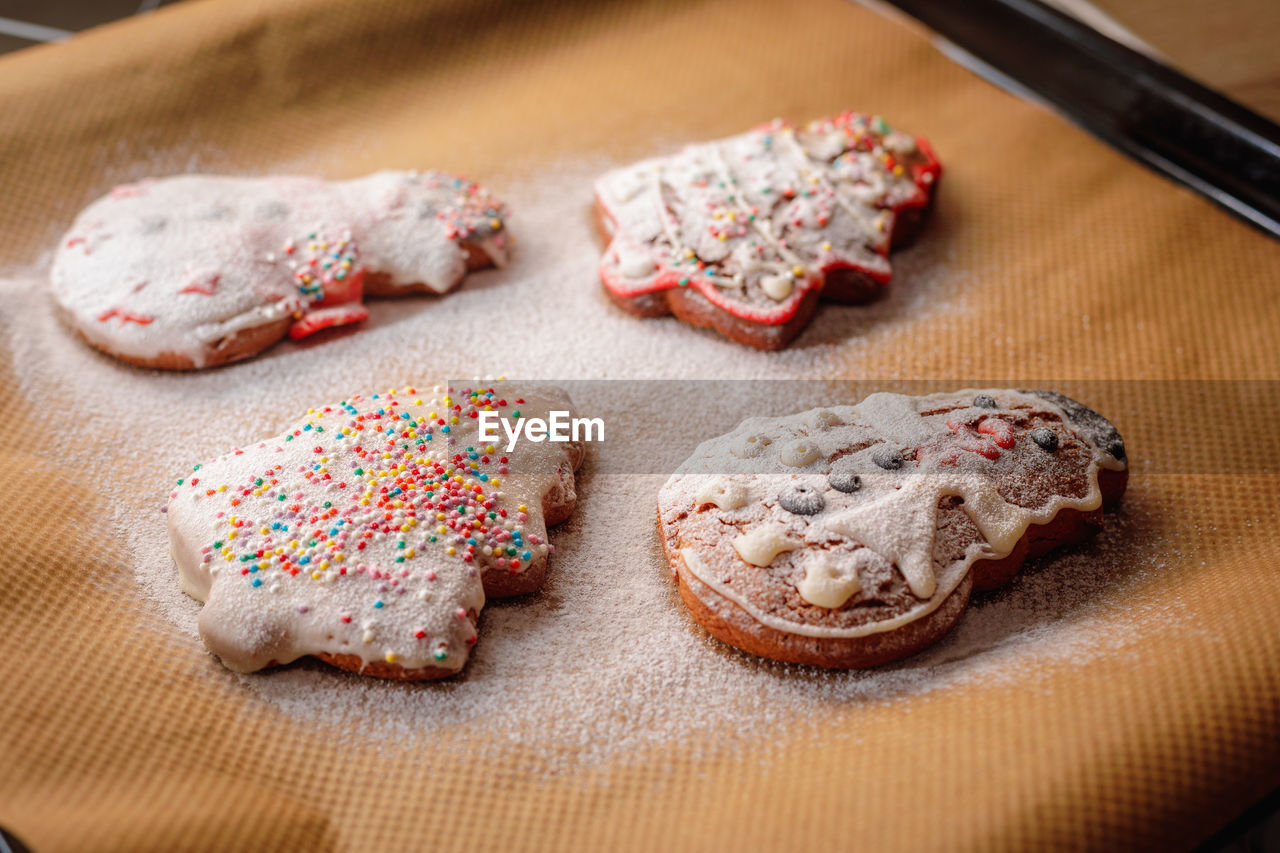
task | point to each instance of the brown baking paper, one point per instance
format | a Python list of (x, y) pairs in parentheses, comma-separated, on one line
[(1068, 263)]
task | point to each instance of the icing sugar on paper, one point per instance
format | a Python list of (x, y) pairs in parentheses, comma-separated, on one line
[(604, 661)]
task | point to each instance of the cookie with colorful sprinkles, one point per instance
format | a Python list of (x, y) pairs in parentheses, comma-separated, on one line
[(200, 270), (369, 533), (853, 536), (746, 234)]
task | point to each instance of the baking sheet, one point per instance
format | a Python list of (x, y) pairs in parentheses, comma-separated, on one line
[(1124, 693)]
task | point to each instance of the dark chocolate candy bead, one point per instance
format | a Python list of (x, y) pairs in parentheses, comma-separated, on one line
[(984, 401), (1099, 429), (887, 458), (844, 480), (802, 499), (1046, 438)]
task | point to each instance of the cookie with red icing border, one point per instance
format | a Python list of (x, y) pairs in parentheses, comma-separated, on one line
[(200, 270), (853, 536), (369, 532), (746, 234)]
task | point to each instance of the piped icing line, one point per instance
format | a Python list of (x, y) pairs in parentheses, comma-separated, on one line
[(899, 522), (205, 285), (214, 251), (364, 529), (773, 191), (125, 317)]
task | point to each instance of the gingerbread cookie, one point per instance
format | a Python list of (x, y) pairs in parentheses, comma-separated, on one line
[(745, 234), (199, 270), (369, 533), (852, 536)]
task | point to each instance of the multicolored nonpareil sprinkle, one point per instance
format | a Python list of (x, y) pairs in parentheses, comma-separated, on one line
[(399, 482)]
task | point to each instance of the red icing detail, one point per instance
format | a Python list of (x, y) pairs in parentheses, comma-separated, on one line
[(924, 174), (326, 318), (999, 430), (350, 289), (339, 306), (128, 190), (668, 277), (125, 317), (975, 441), (207, 285), (981, 449)]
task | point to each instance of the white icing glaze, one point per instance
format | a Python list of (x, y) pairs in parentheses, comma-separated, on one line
[(633, 263), (778, 286), (751, 445), (827, 581), (340, 566), (822, 419), (752, 219), (894, 513), (762, 544), (722, 492), (908, 540), (177, 264), (799, 453)]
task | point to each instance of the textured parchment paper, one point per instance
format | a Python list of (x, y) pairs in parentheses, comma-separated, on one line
[(1071, 264)]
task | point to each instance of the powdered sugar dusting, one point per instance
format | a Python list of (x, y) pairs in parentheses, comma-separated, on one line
[(179, 265), (604, 660)]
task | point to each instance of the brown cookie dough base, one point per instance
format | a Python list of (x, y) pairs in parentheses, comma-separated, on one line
[(382, 669), (727, 621), (243, 344), (379, 284), (845, 286), (687, 304), (247, 343), (1068, 527)]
